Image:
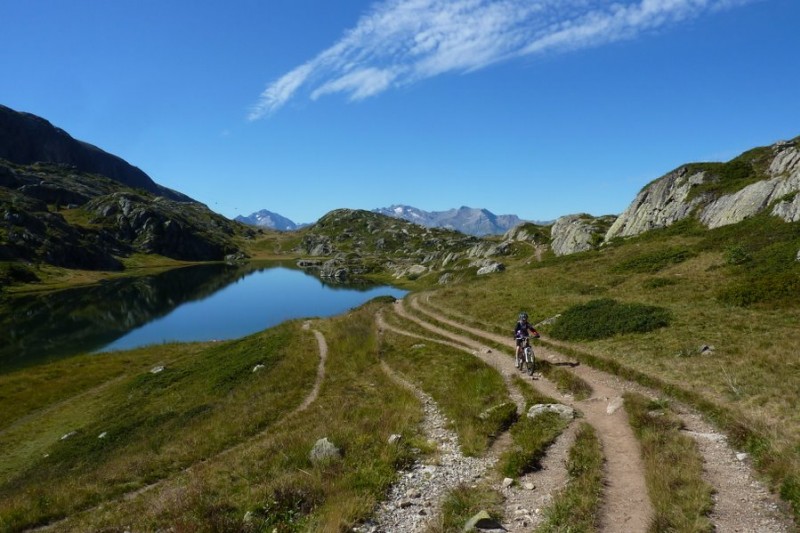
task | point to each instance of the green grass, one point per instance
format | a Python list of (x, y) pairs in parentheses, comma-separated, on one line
[(744, 387), (577, 508), (464, 502), (269, 475), (564, 380), (462, 385), (152, 422), (681, 498), (652, 262), (531, 436)]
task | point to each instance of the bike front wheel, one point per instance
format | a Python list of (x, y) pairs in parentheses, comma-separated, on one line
[(529, 360)]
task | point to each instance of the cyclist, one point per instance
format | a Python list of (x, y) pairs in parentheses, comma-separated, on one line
[(521, 331)]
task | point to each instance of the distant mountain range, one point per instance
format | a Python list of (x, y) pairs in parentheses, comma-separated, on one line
[(468, 220), (268, 219)]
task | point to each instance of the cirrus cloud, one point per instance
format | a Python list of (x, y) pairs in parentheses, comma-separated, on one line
[(400, 42)]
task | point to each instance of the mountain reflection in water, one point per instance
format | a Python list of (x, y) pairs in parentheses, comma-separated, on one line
[(195, 303)]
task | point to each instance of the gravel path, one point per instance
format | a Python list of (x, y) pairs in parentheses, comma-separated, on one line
[(524, 500), (741, 502), (413, 501)]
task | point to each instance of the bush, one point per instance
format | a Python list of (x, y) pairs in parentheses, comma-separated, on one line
[(657, 283), (737, 255), (599, 319), (655, 261)]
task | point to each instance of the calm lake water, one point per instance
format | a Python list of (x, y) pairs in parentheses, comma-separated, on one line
[(199, 303)]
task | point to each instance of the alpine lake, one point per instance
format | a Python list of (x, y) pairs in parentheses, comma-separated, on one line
[(196, 303)]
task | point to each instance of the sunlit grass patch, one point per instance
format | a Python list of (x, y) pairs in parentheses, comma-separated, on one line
[(464, 502), (564, 380), (531, 436), (148, 425), (464, 387), (577, 507), (271, 482), (681, 498)]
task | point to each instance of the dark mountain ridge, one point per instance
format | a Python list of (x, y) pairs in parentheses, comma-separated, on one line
[(26, 139)]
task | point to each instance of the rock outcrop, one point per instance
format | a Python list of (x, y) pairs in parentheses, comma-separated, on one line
[(761, 180), (578, 233)]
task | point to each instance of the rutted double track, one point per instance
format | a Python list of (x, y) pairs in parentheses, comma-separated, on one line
[(741, 502)]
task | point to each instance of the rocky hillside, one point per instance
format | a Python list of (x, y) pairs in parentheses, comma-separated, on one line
[(577, 233), (26, 139), (765, 179), (472, 221), (348, 242), (62, 217)]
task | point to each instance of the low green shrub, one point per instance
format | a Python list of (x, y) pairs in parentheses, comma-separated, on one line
[(657, 283), (599, 319), (655, 261)]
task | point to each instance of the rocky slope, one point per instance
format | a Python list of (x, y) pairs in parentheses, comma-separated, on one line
[(60, 216), (348, 242), (577, 233), (26, 139), (765, 179)]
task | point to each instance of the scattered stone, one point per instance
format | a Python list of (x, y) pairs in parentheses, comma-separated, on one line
[(706, 349), (413, 493), (394, 438), (324, 450), (491, 268), (506, 407), (417, 346), (405, 504), (102, 435), (65, 436), (529, 486), (483, 522), (564, 411), (614, 405), (258, 367), (156, 369), (741, 456), (507, 482)]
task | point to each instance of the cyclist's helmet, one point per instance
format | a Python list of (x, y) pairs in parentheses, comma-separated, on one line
[(523, 317)]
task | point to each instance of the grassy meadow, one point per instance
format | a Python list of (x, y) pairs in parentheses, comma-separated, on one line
[(708, 317)]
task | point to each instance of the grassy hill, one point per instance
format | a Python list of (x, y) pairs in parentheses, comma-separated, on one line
[(725, 342)]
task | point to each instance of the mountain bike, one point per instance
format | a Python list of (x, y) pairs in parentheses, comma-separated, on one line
[(527, 361)]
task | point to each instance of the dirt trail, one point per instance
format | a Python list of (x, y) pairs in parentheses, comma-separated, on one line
[(741, 502), (525, 500), (627, 507)]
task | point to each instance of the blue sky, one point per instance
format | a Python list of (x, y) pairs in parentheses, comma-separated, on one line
[(538, 108)]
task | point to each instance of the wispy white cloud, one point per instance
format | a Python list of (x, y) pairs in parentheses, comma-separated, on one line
[(399, 42)]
